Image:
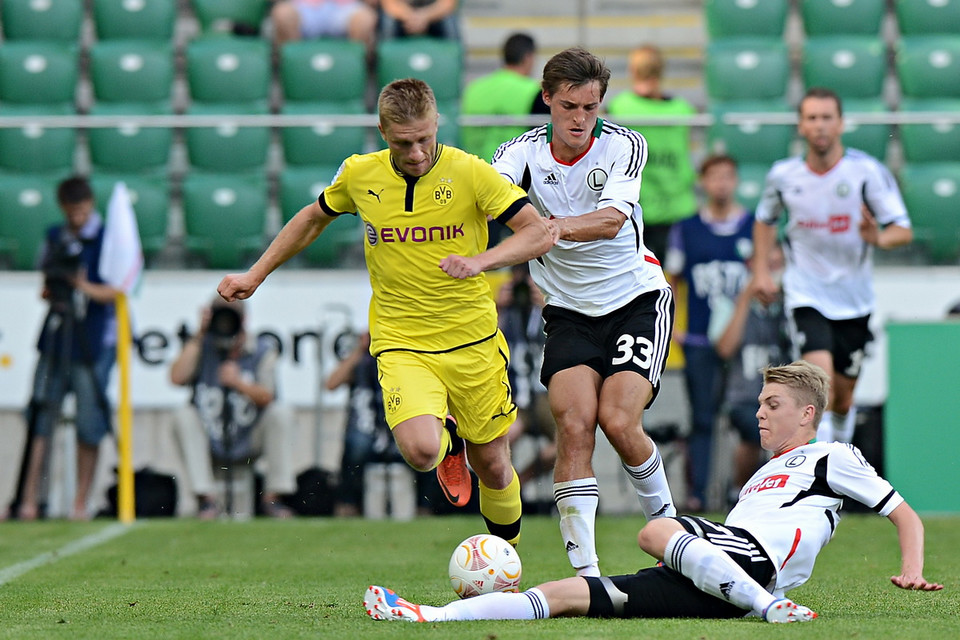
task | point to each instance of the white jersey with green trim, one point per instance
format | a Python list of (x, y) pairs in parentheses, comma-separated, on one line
[(597, 277), (829, 266)]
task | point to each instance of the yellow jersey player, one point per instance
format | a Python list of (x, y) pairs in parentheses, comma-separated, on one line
[(433, 321)]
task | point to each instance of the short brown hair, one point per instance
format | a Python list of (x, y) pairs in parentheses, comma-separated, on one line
[(808, 382), (574, 67), (717, 159), (406, 100), (821, 92)]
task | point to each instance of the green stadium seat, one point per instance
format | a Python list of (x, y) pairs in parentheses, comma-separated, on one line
[(29, 206), (747, 69), (38, 72), (134, 19), (224, 217), (918, 17), (222, 15), (752, 177), (449, 131), (436, 61), (322, 143), (150, 198), (129, 147), (935, 142), (931, 192), (298, 187), (840, 17), (751, 142), (229, 70), (853, 66), (324, 70), (57, 20), (929, 66), (871, 138), (131, 71), (227, 146), (736, 18), (34, 147)]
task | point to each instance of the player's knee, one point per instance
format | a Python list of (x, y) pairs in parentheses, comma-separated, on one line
[(420, 457), (653, 537)]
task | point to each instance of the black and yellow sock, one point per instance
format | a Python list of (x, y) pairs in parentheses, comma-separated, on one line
[(501, 510)]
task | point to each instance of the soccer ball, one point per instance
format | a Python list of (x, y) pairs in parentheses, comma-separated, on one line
[(483, 564)]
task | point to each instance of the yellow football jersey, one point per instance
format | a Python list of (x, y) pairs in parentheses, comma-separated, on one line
[(410, 225)]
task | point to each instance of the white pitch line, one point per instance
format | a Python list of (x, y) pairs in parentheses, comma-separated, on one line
[(107, 533)]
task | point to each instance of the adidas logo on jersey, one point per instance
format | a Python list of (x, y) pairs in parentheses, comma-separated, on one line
[(551, 179)]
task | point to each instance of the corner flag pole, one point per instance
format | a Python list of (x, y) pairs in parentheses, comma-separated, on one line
[(126, 512)]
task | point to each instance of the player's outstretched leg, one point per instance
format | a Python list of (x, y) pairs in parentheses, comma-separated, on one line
[(381, 603), (784, 610), (452, 472)]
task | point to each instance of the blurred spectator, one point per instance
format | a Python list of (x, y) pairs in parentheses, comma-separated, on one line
[(667, 194), (519, 308), (748, 336), (233, 413), (77, 346), (708, 252), (434, 18), (953, 313), (367, 437), (508, 91), (304, 19)]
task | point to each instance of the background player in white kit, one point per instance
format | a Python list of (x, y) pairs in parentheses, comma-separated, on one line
[(609, 309), (839, 204), (785, 515)]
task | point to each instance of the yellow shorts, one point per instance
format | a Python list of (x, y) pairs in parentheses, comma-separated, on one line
[(469, 383)]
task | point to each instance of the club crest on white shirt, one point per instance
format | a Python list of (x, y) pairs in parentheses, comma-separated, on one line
[(596, 179)]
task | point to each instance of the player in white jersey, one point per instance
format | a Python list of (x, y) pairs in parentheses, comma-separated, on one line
[(839, 204), (609, 309), (767, 545)]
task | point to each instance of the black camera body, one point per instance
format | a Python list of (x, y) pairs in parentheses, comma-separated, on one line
[(225, 325), (59, 267)]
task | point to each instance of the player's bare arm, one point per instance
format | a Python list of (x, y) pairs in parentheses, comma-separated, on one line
[(764, 237), (601, 224), (533, 235), (910, 534), (889, 237), (299, 232)]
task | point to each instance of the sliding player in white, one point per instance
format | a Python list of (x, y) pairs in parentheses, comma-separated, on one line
[(785, 515)]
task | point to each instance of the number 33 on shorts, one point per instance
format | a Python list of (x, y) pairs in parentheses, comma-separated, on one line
[(638, 349)]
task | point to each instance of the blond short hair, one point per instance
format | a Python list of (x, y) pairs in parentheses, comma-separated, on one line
[(808, 383), (645, 62), (406, 100)]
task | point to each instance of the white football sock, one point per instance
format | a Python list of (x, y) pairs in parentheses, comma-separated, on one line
[(529, 605), (713, 571), (650, 481), (844, 425), (577, 502), (825, 428)]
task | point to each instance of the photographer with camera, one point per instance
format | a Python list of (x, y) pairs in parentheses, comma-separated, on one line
[(77, 347), (233, 414)]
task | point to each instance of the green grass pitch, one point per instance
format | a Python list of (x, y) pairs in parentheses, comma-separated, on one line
[(305, 578)]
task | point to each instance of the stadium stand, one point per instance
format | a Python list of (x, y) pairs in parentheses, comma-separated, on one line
[(931, 192), (918, 17), (134, 19), (226, 15), (929, 66), (750, 184), (29, 206), (130, 147), (31, 20), (139, 71), (854, 66), (33, 147), (842, 17), (933, 142), (872, 138), (751, 142), (150, 198), (747, 69), (224, 217), (38, 72), (735, 18)]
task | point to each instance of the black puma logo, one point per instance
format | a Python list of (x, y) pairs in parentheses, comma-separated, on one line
[(375, 195)]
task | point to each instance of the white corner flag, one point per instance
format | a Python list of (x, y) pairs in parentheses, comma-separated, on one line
[(121, 260), (121, 263)]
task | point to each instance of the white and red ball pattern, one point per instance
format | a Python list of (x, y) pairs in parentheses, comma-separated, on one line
[(484, 563)]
